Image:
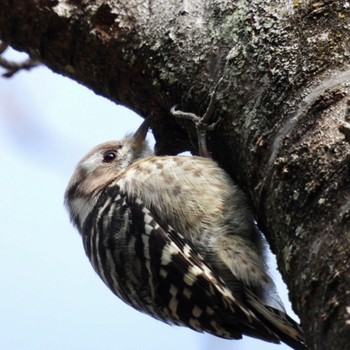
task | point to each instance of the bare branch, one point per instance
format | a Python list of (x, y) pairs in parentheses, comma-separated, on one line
[(13, 67)]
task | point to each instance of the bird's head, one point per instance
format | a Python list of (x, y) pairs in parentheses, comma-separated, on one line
[(100, 167)]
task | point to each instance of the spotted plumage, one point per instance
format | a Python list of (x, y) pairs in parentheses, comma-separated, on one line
[(174, 238)]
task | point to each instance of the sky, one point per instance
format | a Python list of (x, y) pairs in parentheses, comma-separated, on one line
[(50, 297)]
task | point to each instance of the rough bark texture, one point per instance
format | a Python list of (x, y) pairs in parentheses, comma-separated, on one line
[(285, 69)]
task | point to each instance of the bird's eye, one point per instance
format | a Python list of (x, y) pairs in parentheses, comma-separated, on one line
[(109, 157)]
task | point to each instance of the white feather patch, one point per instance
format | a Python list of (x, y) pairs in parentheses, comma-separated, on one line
[(90, 164), (81, 208)]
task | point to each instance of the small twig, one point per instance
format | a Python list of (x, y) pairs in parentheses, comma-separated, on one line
[(12, 67)]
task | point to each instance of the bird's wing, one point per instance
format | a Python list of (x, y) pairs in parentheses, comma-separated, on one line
[(176, 283)]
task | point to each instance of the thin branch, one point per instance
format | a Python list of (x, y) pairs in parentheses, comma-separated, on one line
[(12, 67)]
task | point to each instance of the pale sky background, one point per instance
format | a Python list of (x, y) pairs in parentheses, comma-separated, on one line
[(50, 297)]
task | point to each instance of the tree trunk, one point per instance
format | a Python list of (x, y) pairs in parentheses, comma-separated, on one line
[(281, 69)]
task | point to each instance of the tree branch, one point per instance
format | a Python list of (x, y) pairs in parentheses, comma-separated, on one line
[(13, 67), (281, 100)]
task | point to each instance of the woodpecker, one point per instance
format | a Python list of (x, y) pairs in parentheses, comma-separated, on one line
[(174, 237)]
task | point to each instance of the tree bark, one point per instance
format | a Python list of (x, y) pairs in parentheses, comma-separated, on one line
[(284, 77)]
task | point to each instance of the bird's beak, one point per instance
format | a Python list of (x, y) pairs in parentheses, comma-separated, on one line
[(141, 133)]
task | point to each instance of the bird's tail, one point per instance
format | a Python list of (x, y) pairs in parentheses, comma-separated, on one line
[(279, 322)]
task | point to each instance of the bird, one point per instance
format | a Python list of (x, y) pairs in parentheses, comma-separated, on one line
[(175, 238)]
